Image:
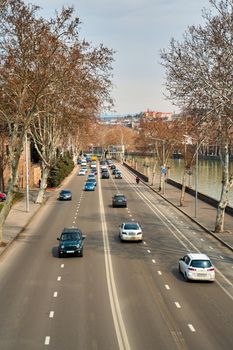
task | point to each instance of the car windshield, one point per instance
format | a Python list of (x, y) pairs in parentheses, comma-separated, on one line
[(201, 263), (65, 192), (131, 226), (71, 236), (91, 180), (120, 198)]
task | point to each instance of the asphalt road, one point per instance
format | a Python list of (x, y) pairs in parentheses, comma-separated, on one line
[(127, 296)]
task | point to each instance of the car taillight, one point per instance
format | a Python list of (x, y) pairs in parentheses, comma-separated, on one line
[(211, 269), (191, 269)]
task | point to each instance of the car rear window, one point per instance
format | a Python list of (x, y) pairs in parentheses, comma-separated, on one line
[(70, 236), (131, 227), (201, 263)]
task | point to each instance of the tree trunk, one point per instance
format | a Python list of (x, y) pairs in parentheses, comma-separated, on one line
[(183, 188), (12, 185), (223, 202), (43, 183)]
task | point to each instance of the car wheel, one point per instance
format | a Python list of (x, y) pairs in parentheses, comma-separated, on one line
[(186, 277), (81, 254), (179, 269), (59, 255)]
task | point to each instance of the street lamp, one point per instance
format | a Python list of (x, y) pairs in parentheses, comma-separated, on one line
[(189, 142)]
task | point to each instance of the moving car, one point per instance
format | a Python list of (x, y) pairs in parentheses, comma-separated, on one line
[(196, 266), (130, 231), (93, 180), (82, 172), (65, 195), (89, 186), (105, 174), (119, 200), (94, 171), (2, 196), (118, 175), (114, 171), (71, 242)]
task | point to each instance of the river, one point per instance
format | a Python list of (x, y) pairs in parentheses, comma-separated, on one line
[(209, 175)]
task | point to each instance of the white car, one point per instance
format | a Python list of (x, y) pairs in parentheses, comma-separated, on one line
[(130, 231), (82, 171), (195, 266)]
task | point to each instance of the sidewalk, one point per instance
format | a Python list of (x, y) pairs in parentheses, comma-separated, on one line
[(18, 218), (206, 214)]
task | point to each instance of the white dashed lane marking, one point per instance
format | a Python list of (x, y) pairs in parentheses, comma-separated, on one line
[(177, 305), (59, 278), (167, 286), (221, 257), (62, 266), (55, 294), (51, 314), (159, 273), (211, 247), (192, 329), (47, 340), (153, 260), (148, 251), (202, 239)]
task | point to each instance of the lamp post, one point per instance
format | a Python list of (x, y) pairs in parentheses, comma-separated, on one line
[(196, 180), (189, 141), (27, 174)]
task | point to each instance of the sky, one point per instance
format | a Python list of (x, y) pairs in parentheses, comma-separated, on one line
[(137, 30)]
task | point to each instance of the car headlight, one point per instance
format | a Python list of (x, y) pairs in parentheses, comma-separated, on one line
[(78, 246), (62, 246), (124, 233), (139, 233)]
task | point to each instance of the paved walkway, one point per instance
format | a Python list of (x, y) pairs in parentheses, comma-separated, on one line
[(18, 218)]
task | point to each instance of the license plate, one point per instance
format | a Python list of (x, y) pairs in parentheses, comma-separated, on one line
[(70, 251), (202, 274)]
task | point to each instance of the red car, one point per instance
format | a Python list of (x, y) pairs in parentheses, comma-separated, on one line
[(2, 197)]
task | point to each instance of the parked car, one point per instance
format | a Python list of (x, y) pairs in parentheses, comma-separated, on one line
[(130, 231), (71, 242), (118, 175), (196, 266), (119, 200), (65, 195), (89, 186), (94, 171), (2, 196), (113, 166)]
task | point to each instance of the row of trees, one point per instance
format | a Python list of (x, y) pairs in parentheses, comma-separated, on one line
[(199, 79), (52, 86)]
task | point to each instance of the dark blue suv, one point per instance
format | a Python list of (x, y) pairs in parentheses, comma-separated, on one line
[(71, 242)]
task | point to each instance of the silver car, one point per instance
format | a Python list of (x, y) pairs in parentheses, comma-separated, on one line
[(130, 231), (195, 266)]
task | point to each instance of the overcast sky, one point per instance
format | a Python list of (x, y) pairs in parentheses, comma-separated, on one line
[(136, 30)]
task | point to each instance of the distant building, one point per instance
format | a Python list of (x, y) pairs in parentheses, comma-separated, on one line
[(158, 115)]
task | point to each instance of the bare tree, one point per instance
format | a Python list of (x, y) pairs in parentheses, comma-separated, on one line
[(199, 78), (27, 49)]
